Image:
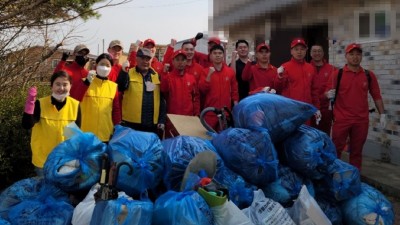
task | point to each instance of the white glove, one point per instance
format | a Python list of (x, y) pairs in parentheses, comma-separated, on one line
[(125, 66), (161, 126), (281, 69), (91, 75), (269, 90), (318, 117), (383, 121), (331, 94)]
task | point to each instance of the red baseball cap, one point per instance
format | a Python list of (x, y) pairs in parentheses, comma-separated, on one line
[(298, 41), (149, 41), (352, 46), (215, 40), (261, 46), (179, 52)]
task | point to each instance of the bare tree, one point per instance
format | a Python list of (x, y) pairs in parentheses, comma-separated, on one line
[(27, 31)]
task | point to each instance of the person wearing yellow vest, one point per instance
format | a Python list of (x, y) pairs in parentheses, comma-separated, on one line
[(143, 106), (100, 101), (48, 116)]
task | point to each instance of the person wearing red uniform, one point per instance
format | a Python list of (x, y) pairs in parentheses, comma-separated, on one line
[(324, 71), (262, 74), (219, 86), (296, 78), (181, 88), (76, 69), (151, 45), (350, 111), (115, 49), (191, 67)]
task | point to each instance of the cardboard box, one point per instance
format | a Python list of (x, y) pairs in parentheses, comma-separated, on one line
[(185, 125)]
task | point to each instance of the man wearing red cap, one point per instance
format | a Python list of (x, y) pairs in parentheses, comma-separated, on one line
[(151, 45), (180, 87), (350, 111), (296, 78), (76, 69), (262, 74), (324, 71), (204, 59), (219, 86)]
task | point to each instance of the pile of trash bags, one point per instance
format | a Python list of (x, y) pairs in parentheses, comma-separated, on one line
[(272, 169)]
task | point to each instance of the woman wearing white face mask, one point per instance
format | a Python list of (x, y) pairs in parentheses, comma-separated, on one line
[(48, 116), (100, 102)]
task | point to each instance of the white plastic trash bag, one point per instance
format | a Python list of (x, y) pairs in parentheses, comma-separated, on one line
[(265, 211), (84, 210), (228, 214), (306, 211)]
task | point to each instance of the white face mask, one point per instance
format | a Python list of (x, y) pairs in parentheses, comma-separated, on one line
[(103, 71), (60, 97)]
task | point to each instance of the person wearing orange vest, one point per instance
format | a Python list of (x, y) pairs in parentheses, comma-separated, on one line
[(48, 116), (219, 86), (76, 69), (150, 44), (100, 102), (296, 78), (143, 106), (350, 109), (181, 88), (324, 71)]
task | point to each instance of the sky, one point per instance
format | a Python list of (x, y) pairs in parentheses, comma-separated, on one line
[(160, 20)]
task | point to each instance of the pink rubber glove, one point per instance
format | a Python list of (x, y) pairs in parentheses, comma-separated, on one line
[(30, 100)]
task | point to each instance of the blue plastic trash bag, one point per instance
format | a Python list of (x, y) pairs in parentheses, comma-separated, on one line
[(4, 222), (370, 205), (27, 189), (240, 192), (309, 151), (141, 150), (75, 164), (331, 210), (182, 208), (342, 182), (122, 211), (248, 153), (180, 151), (287, 187), (45, 210), (280, 115)]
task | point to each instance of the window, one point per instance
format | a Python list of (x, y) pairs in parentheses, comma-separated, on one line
[(373, 24), (54, 63)]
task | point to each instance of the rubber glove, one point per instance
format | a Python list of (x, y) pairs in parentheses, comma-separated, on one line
[(331, 94), (30, 100), (125, 66), (280, 70), (318, 117), (383, 121), (91, 75)]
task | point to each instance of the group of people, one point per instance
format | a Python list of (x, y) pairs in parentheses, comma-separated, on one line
[(140, 92)]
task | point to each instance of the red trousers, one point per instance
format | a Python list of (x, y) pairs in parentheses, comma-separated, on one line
[(357, 132)]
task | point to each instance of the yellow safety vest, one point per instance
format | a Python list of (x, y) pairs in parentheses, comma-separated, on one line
[(96, 108), (133, 96), (48, 132)]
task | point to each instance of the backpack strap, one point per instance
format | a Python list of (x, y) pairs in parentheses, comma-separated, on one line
[(339, 77)]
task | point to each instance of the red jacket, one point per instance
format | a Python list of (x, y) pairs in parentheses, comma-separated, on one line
[(352, 99), (182, 91), (155, 64), (298, 82), (222, 88), (323, 75), (76, 72), (258, 76), (114, 72), (202, 59)]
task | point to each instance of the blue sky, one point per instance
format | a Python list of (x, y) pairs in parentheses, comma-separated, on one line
[(160, 20)]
